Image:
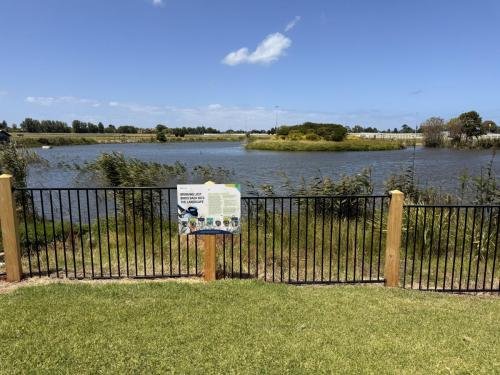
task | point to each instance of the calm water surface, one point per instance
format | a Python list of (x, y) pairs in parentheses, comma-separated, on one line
[(434, 167)]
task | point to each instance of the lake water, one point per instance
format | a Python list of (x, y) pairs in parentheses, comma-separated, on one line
[(434, 167)]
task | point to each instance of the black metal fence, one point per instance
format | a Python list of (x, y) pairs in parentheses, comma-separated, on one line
[(451, 248), (132, 232)]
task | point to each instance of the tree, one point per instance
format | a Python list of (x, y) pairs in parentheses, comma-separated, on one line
[(110, 129), (161, 136), (455, 129), (406, 129), (160, 128), (489, 126), (3, 125), (79, 127), (30, 125), (127, 129), (472, 124), (100, 127), (432, 130)]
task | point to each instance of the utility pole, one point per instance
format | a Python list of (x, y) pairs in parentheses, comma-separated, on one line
[(276, 107)]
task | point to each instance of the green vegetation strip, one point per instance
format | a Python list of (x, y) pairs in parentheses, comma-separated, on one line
[(346, 145), (245, 327)]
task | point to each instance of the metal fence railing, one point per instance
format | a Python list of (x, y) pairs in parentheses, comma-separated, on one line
[(451, 248), (132, 232)]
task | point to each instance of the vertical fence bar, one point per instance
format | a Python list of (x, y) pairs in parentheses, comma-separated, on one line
[(44, 226), (54, 232), (90, 234), (35, 232)]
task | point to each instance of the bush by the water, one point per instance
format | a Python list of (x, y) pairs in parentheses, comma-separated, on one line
[(114, 169), (312, 131), (296, 142)]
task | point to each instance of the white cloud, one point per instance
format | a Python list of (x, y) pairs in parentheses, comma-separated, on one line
[(158, 3), (51, 100), (290, 25), (268, 51)]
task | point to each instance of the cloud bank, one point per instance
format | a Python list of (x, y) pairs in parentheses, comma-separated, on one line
[(217, 115), (51, 100)]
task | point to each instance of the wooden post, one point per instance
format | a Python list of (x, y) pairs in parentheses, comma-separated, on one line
[(393, 241), (209, 262), (10, 233)]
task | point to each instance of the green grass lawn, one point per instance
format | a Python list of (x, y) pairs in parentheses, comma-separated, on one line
[(244, 327)]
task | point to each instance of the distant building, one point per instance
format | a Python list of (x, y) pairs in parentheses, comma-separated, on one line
[(4, 136)]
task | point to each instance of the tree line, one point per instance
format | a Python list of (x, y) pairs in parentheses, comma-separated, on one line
[(461, 129), (464, 129)]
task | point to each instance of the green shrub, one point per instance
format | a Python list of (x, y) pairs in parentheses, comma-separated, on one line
[(295, 135), (328, 132), (312, 137)]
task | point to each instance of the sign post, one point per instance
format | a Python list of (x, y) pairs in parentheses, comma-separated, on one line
[(209, 258), (209, 209)]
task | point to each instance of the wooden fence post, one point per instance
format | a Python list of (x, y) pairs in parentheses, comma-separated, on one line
[(10, 233), (209, 260), (393, 240)]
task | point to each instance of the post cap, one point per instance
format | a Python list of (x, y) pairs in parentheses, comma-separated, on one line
[(396, 192)]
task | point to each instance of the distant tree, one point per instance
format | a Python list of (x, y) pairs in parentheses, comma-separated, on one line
[(3, 125), (283, 130), (30, 125), (455, 129), (160, 128), (100, 127), (489, 126), (127, 129), (406, 129), (92, 128), (395, 130), (357, 129), (110, 129), (471, 124), (79, 126), (432, 130)]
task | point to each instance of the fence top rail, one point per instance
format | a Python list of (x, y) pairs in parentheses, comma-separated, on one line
[(452, 205), (156, 188), (255, 197)]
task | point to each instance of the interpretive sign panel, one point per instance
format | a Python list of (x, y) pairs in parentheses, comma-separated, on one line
[(209, 208)]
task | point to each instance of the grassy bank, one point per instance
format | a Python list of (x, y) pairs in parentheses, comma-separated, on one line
[(353, 144), (66, 139), (244, 327)]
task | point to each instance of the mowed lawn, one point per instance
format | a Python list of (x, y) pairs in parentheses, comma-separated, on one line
[(244, 327)]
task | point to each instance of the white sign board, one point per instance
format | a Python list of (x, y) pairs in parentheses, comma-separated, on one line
[(209, 208)]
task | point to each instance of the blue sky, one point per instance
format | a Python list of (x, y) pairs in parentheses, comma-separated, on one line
[(241, 64)]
